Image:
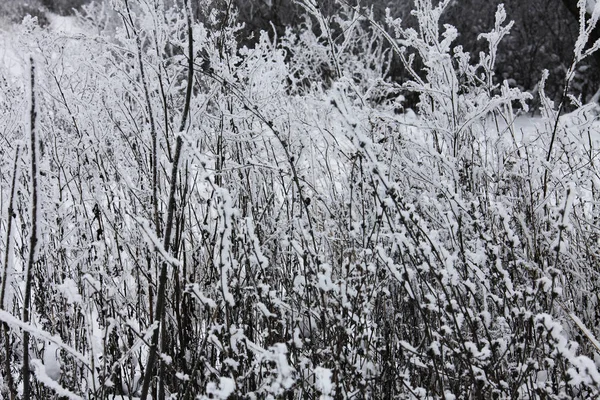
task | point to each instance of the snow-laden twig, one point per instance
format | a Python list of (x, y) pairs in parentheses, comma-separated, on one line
[(34, 235), (155, 242), (39, 370), (585, 331), (42, 334)]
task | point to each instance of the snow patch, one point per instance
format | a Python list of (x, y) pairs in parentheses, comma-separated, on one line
[(68, 289), (222, 391), (64, 24), (323, 381)]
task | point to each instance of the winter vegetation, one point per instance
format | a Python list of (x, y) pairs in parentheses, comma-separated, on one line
[(188, 216)]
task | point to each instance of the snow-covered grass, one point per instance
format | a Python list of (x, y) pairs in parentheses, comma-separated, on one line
[(321, 244)]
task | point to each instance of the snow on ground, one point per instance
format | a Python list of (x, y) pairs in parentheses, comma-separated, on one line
[(62, 24), (12, 63), (578, 124)]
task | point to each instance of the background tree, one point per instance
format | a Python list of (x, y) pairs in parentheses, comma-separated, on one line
[(63, 7), (542, 37)]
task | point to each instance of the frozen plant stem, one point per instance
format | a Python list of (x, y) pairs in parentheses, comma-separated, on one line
[(7, 350), (154, 156), (33, 238), (162, 282)]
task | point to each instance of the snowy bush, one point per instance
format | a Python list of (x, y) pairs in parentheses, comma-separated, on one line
[(218, 221)]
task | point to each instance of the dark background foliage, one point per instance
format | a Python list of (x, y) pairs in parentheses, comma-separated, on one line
[(542, 37)]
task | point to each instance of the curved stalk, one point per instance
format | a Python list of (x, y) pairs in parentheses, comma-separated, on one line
[(32, 241), (162, 283)]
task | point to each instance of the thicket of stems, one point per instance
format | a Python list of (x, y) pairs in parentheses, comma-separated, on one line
[(216, 221)]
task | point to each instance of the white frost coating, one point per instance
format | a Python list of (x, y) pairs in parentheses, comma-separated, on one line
[(166, 358), (450, 34), (182, 376), (323, 380), (505, 219), (33, 103), (586, 25), (143, 338), (51, 362), (42, 334), (449, 396), (435, 348), (285, 378), (236, 336), (297, 339), (40, 373), (584, 370), (263, 309), (277, 354), (260, 257), (325, 282), (195, 289), (545, 284), (408, 347), (586, 331), (223, 390), (68, 289), (299, 283), (155, 242), (570, 196), (12, 264), (223, 260)]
